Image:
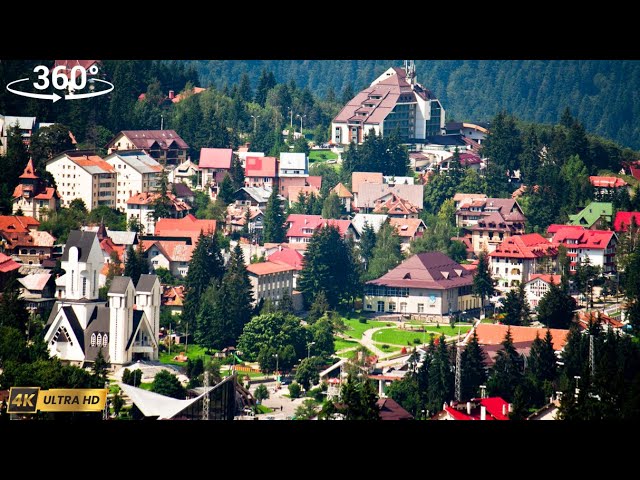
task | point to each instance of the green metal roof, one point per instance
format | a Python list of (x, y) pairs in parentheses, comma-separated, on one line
[(591, 213)]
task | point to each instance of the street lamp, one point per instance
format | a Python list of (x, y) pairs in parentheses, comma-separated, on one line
[(276, 378), (291, 117), (309, 348), (301, 117), (577, 377), (255, 119)]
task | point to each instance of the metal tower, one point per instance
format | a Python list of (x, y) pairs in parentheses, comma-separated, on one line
[(205, 399), (458, 372)]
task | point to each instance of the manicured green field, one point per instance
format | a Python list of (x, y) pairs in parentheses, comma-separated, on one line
[(193, 352), (390, 348), (401, 337), (321, 155), (352, 353), (341, 344), (356, 329)]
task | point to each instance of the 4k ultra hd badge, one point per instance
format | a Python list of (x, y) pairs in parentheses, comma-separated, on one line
[(23, 399)]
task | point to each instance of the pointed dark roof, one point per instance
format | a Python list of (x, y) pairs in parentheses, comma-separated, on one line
[(81, 240), (119, 285), (146, 282), (391, 410), (98, 323), (102, 231), (75, 325)]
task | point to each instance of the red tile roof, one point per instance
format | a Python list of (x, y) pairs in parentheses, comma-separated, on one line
[(607, 182), (15, 223), (396, 206), (215, 158), (173, 296), (29, 171), (288, 256), (342, 191), (407, 227), (300, 221), (550, 279), (623, 220), (358, 178), (432, 270), (493, 334), (260, 167), (194, 91), (174, 251), (495, 406), (265, 268), (532, 245), (597, 316), (555, 227), (147, 198), (187, 224), (593, 239), (7, 264)]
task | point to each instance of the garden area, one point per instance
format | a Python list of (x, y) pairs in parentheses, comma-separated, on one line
[(194, 351), (396, 336), (322, 156), (356, 327)]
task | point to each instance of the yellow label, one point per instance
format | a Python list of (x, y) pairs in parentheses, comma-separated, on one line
[(72, 400)]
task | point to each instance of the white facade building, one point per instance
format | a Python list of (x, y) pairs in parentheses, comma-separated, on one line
[(86, 177), (136, 173)]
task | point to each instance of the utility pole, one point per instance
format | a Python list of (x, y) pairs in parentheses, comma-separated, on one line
[(458, 372), (291, 117), (205, 399)]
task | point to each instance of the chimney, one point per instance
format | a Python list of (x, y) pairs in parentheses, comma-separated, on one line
[(172, 95), (483, 412), (504, 409), (510, 408), (468, 408)]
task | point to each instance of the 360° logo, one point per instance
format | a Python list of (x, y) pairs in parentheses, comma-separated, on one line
[(76, 80)]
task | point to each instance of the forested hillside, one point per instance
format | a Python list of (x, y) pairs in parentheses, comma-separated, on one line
[(602, 94)]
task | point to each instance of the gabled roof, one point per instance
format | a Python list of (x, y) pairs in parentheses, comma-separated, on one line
[(42, 239), (92, 164), (17, 223), (431, 270), (396, 206), (194, 91), (118, 237), (407, 227), (622, 221), (260, 167), (496, 409), (146, 283), (182, 190), (585, 317), (592, 213), (593, 239), (370, 193), (391, 410), (300, 221), (119, 285), (83, 241), (292, 193), (148, 198), (7, 264), (29, 171), (259, 194), (548, 279), (155, 405), (173, 296), (140, 162), (293, 161), (555, 227), (24, 123), (188, 223), (174, 251), (288, 256), (532, 245), (342, 191), (358, 178), (143, 139), (215, 158), (607, 182)]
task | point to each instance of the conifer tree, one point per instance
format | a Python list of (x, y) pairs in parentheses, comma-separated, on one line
[(506, 373), (274, 230), (473, 368)]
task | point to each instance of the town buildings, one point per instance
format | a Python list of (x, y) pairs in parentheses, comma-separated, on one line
[(596, 246), (136, 172), (270, 280), (165, 146), (31, 196)]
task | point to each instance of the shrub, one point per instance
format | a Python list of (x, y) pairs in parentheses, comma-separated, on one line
[(294, 390), (417, 341), (362, 320), (385, 347)]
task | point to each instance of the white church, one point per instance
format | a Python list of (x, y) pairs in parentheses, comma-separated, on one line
[(126, 327)]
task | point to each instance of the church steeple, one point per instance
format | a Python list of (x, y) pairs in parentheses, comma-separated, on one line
[(29, 171), (102, 231)]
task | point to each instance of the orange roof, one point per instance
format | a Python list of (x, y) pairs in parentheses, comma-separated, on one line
[(189, 223), (358, 178), (584, 317), (7, 264), (287, 256), (147, 198), (493, 334), (550, 279), (265, 268), (294, 192), (407, 227), (396, 206), (342, 191), (29, 171), (92, 161), (194, 90), (15, 223), (260, 167), (607, 182), (174, 251), (173, 296)]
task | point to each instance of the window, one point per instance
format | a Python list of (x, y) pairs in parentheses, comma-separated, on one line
[(93, 339), (99, 340), (421, 308), (84, 286), (380, 306), (105, 340), (392, 306)]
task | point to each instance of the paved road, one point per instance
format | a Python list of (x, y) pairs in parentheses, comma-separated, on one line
[(277, 400), (370, 344)]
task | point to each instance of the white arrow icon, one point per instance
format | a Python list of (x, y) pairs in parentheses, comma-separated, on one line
[(53, 96)]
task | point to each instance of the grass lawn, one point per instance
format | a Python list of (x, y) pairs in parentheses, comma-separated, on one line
[(341, 344), (390, 348), (252, 375), (321, 155), (352, 353), (263, 409), (194, 352), (356, 329), (145, 386), (401, 337)]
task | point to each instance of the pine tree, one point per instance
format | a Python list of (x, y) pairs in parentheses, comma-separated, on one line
[(473, 368), (206, 264), (266, 82), (16, 158), (441, 379), (226, 190), (367, 243), (319, 307), (100, 368), (556, 308), (542, 359), (274, 230), (237, 294), (516, 307), (237, 173), (13, 311), (506, 373), (387, 253), (285, 305), (359, 399), (244, 90), (331, 207), (328, 266), (482, 281)]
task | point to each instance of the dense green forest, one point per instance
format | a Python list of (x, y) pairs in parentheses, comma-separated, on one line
[(602, 94)]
